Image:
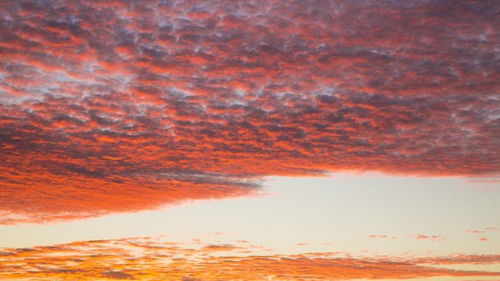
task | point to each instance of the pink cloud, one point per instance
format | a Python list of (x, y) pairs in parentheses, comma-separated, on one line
[(373, 236), (430, 237)]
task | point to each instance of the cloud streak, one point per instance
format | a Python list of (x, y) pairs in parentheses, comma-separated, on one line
[(152, 259), (122, 105)]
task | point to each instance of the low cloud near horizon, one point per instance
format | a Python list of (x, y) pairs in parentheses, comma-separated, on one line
[(148, 258)]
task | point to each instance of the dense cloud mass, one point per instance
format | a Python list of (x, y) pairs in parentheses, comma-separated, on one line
[(148, 258), (110, 106)]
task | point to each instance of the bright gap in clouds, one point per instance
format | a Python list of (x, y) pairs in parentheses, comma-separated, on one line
[(365, 214)]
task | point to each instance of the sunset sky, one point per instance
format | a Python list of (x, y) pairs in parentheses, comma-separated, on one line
[(246, 140)]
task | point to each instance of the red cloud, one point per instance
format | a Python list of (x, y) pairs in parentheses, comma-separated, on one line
[(111, 106)]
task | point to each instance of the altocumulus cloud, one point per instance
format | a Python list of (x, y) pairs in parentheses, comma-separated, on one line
[(112, 106)]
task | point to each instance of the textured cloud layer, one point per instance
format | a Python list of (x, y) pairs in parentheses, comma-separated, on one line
[(152, 259), (110, 106)]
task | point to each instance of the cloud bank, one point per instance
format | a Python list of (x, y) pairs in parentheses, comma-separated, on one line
[(112, 106)]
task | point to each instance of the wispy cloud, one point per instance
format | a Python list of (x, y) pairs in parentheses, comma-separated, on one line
[(483, 230), (430, 237), (151, 259), (381, 236)]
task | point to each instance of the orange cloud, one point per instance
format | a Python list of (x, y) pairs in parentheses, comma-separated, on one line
[(114, 106), (150, 259), (217, 248)]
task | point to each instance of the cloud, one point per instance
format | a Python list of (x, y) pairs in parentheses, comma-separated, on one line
[(381, 236), (148, 258), (460, 259), (116, 106), (430, 237), (219, 248), (118, 275), (476, 231), (483, 230)]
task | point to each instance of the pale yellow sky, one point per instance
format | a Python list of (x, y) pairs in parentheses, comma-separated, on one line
[(366, 214)]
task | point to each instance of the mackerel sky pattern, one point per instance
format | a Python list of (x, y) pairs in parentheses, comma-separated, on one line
[(114, 106)]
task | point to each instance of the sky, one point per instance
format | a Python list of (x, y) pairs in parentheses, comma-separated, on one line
[(220, 140)]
